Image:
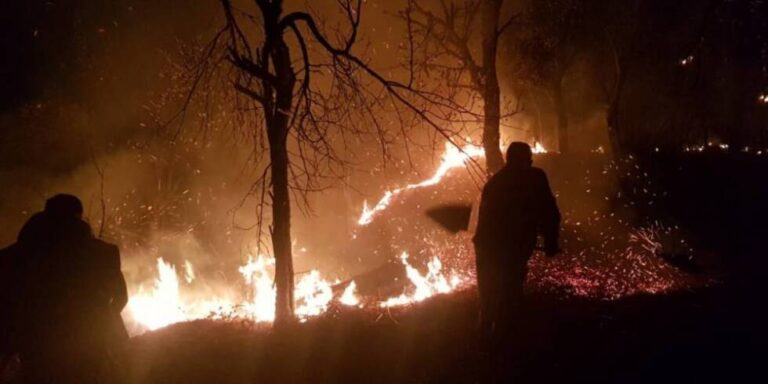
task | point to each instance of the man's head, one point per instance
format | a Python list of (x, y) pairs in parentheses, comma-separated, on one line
[(64, 206), (519, 154)]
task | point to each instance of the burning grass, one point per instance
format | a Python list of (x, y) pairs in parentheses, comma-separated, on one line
[(611, 251)]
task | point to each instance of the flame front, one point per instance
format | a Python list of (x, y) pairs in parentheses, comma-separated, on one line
[(165, 304)]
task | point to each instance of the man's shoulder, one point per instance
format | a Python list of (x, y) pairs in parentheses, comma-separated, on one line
[(496, 180), (538, 174), (105, 248), (538, 171)]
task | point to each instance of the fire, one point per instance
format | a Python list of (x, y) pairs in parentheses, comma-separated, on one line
[(314, 295), (163, 305), (349, 297), (452, 158), (261, 306), (166, 303), (426, 286)]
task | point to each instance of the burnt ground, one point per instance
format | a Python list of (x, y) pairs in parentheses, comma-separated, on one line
[(702, 336)]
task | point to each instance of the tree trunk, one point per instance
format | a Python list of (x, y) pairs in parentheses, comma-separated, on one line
[(491, 94), (281, 234), (281, 203), (562, 118)]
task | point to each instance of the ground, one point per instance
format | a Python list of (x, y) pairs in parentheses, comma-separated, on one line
[(681, 337)]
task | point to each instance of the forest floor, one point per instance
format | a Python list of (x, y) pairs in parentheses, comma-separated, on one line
[(699, 336)]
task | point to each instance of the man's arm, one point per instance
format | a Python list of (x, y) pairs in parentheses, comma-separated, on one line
[(119, 290), (486, 226), (485, 216), (549, 224)]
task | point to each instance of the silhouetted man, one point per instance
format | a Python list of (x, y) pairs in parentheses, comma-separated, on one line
[(67, 295), (517, 205)]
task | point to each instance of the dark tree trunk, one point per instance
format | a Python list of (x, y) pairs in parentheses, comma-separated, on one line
[(562, 118), (491, 94), (278, 125)]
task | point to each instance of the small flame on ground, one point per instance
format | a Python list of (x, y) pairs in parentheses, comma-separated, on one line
[(164, 305), (426, 286), (349, 297), (189, 272), (314, 295)]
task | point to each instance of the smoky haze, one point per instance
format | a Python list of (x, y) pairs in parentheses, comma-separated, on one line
[(80, 116)]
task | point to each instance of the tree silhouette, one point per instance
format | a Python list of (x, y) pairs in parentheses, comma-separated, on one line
[(305, 99), (445, 35)]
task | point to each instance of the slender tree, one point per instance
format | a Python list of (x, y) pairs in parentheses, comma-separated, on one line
[(553, 36), (447, 34), (302, 97)]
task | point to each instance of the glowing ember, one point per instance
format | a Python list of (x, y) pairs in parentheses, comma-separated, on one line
[(538, 148)]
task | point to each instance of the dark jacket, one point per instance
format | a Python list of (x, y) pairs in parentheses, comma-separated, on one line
[(517, 204), (68, 288)]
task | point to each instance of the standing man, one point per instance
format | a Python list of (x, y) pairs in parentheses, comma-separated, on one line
[(66, 297), (517, 205)]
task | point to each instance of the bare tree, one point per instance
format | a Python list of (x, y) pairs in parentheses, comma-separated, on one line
[(554, 35), (303, 98), (445, 35)]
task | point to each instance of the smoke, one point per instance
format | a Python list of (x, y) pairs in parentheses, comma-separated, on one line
[(81, 121)]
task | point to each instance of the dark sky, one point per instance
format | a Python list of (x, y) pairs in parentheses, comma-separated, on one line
[(77, 70)]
